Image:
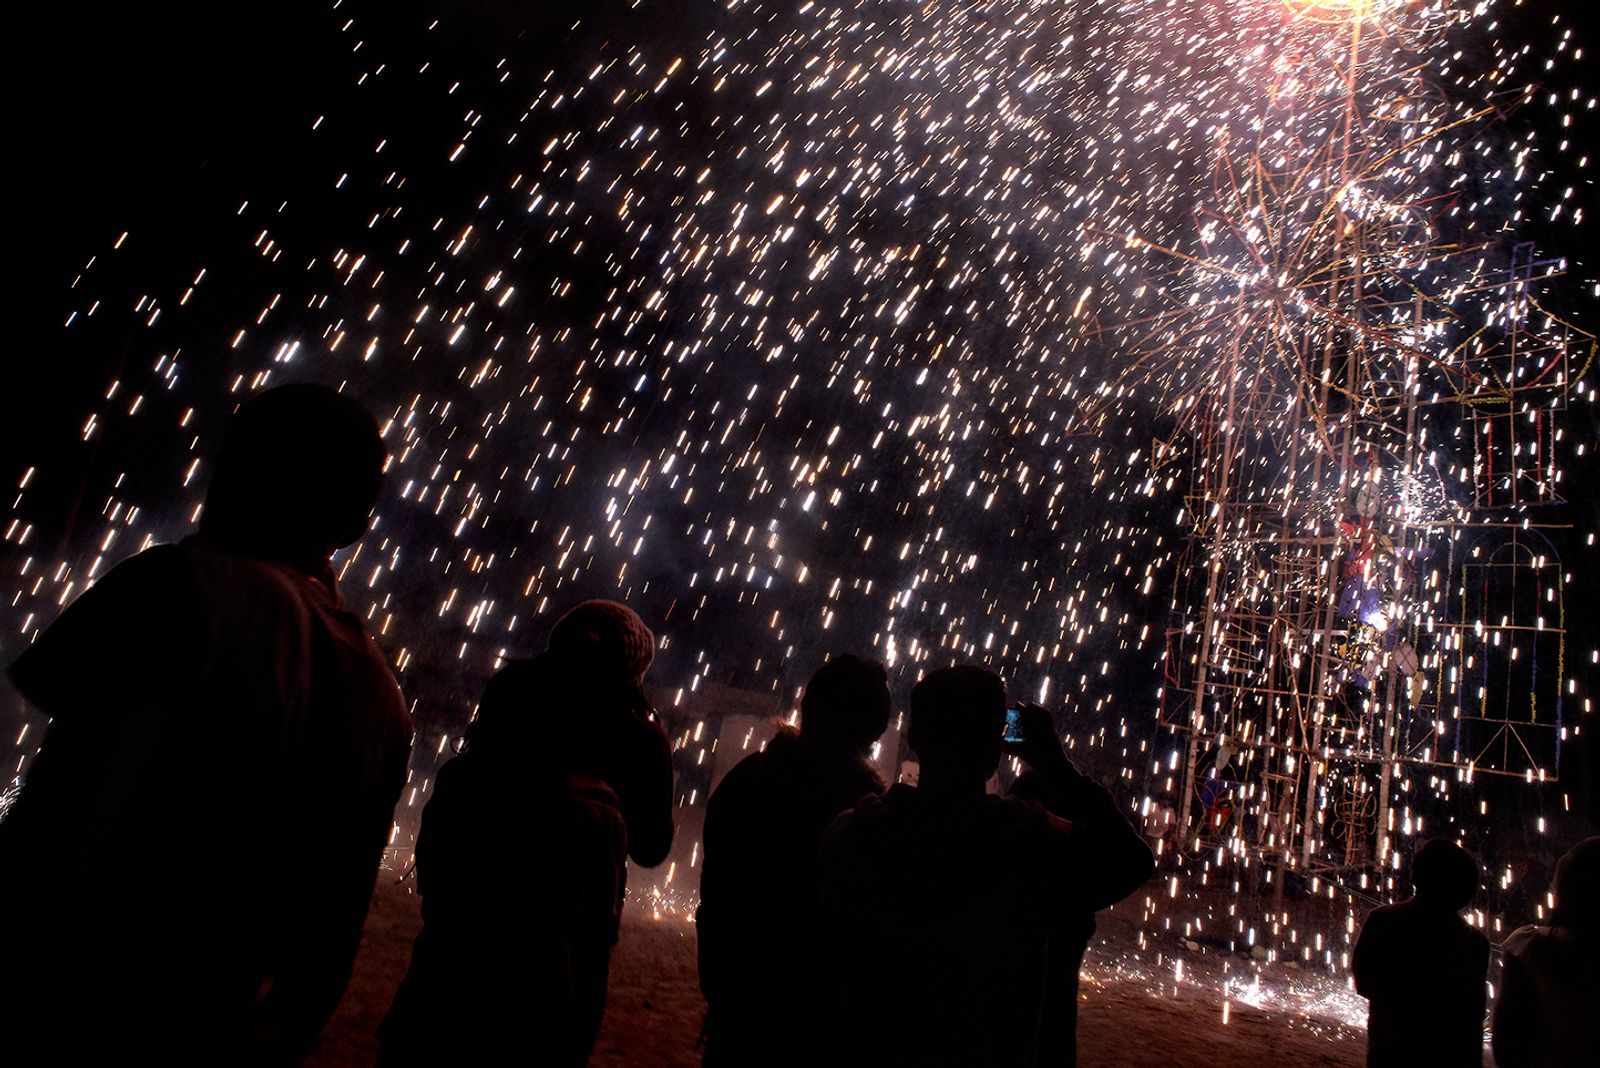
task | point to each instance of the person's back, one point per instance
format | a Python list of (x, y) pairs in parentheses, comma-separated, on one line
[(521, 861), (1116, 861), (942, 911), (757, 927), (211, 803), (521, 873), (1548, 1011), (942, 901), (1423, 969)]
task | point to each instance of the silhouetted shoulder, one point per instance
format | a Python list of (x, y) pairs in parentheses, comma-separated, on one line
[(796, 777), (1546, 1013), (519, 684), (744, 776), (866, 815), (123, 632), (900, 819), (1383, 915)]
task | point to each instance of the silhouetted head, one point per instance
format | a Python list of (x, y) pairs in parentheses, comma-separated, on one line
[(1444, 874), (607, 638), (296, 478), (526, 708), (1577, 887), (846, 703), (608, 648), (957, 715)]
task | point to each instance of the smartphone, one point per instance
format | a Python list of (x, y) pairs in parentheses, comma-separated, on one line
[(1013, 731)]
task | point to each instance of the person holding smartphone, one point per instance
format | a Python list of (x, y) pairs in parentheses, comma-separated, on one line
[(957, 918), (1118, 857)]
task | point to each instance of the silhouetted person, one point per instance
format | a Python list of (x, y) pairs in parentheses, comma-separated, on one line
[(1548, 1011), (952, 911), (185, 876), (1423, 969), (762, 966), (1094, 815), (521, 861)]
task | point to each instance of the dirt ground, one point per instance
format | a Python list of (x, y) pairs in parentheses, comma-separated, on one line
[(1139, 1009)]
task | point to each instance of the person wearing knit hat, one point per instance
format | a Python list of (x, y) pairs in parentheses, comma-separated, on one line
[(609, 637), (521, 860)]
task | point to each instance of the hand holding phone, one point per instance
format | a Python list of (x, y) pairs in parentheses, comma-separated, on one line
[(1030, 735)]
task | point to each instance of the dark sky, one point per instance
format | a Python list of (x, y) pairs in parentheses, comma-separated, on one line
[(160, 119)]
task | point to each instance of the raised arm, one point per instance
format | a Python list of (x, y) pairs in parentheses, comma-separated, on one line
[(1121, 861), (1515, 1016), (644, 786)]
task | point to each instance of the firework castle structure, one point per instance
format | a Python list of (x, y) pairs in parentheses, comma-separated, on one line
[(1372, 594)]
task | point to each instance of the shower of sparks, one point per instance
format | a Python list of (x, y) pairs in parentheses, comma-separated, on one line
[(1342, 11), (1095, 342)]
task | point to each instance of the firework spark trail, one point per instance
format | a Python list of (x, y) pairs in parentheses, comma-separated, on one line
[(840, 327)]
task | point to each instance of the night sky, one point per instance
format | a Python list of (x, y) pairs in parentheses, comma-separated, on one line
[(161, 122)]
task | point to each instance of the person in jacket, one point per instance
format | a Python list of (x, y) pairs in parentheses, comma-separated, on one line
[(951, 911), (1423, 969), (521, 860), (760, 961), (207, 815)]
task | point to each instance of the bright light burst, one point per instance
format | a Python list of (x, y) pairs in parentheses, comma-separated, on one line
[(910, 328), (1343, 11)]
